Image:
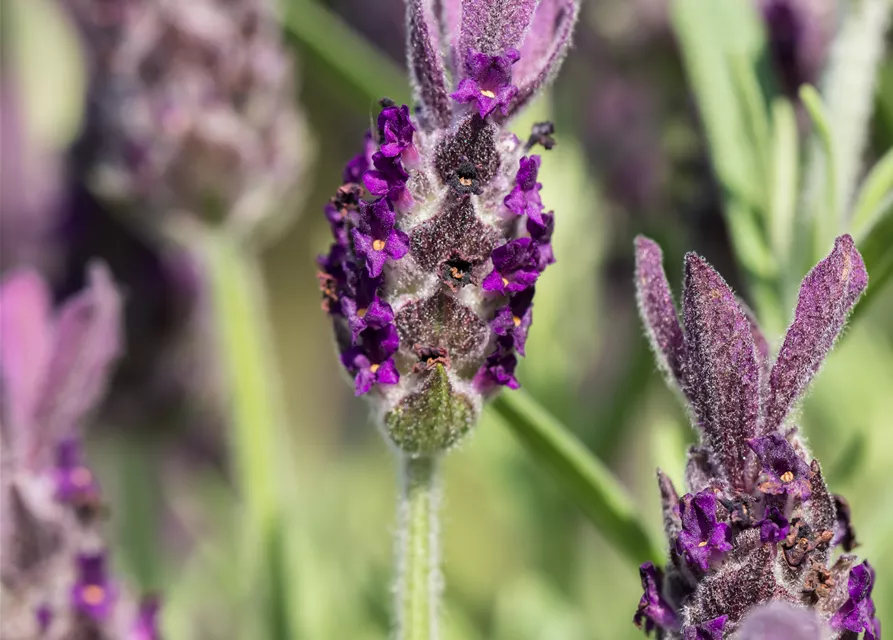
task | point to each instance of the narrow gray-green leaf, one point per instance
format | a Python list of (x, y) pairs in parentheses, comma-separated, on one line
[(588, 483)]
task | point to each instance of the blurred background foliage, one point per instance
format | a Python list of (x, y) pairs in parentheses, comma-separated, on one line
[(521, 561)]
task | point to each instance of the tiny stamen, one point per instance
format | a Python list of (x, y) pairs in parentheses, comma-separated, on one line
[(487, 93), (702, 544), (93, 594), (787, 476), (374, 367), (361, 312), (516, 320), (378, 245)]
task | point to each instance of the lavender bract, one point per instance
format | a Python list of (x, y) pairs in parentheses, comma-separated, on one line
[(440, 231), (54, 369), (750, 546)]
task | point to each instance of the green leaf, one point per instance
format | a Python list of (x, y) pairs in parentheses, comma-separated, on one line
[(589, 484), (345, 51), (874, 199)]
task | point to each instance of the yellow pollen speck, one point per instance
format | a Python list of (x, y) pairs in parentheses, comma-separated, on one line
[(93, 594), (516, 320), (465, 182), (378, 245), (787, 476), (487, 93), (361, 312), (505, 282), (374, 367), (702, 544), (81, 477)]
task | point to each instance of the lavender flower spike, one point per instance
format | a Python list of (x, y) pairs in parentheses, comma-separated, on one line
[(54, 368), (440, 233), (751, 544)]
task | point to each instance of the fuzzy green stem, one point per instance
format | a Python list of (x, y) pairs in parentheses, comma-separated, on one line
[(419, 581)]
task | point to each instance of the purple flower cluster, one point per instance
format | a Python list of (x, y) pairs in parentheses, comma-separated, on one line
[(439, 230), (54, 369), (750, 544)]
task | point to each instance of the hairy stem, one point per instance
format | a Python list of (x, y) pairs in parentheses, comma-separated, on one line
[(419, 582)]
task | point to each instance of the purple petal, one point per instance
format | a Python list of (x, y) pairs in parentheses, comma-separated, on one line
[(397, 245), (781, 621), (710, 630), (493, 282), (783, 471), (376, 182), (658, 311), (653, 610), (723, 373), (87, 342), (492, 26), (827, 296), (858, 613), (563, 15), (426, 64), (26, 335), (387, 373)]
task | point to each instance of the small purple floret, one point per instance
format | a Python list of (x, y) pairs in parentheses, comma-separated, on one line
[(515, 267), (93, 594), (858, 613), (360, 163), (514, 319), (376, 239), (702, 540), (396, 130), (75, 483), (488, 81), (784, 471), (499, 368), (524, 199), (710, 630), (371, 363), (774, 527), (388, 179), (541, 234), (654, 611)]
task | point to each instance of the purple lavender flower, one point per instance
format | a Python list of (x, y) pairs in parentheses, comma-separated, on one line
[(710, 630), (654, 611), (54, 368), (145, 627), (754, 536), (774, 527), (702, 540), (450, 229), (93, 594), (488, 81), (857, 613)]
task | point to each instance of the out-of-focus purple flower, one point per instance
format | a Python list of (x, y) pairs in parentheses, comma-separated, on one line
[(858, 614), (784, 471), (488, 81), (702, 540), (44, 617), (93, 594), (710, 630), (75, 482), (654, 612), (515, 267), (774, 527), (725, 563), (360, 163), (452, 271), (145, 627)]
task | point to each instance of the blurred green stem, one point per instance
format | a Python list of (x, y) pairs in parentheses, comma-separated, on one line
[(248, 372), (418, 552)]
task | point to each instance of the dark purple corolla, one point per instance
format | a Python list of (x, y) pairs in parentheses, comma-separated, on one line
[(750, 545), (440, 231)]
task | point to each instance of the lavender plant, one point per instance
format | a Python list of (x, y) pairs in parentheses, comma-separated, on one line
[(440, 236), (55, 367), (751, 541)]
